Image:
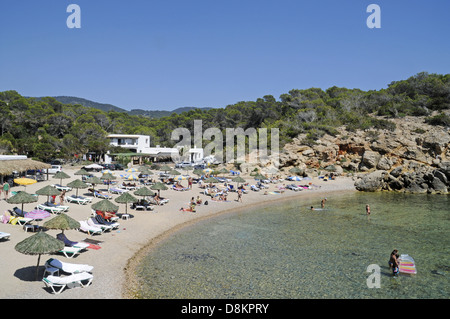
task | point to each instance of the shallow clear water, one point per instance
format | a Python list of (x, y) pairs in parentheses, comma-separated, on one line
[(287, 251)]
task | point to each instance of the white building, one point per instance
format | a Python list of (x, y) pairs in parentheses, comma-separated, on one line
[(135, 143), (140, 144)]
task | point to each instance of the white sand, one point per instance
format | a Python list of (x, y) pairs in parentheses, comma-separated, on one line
[(122, 248)]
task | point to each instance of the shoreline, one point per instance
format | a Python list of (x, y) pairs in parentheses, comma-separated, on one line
[(122, 249), (129, 290)]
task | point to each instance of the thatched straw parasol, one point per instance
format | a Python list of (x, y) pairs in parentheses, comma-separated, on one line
[(143, 191), (109, 177), (158, 186), (82, 172), (77, 184), (62, 222), (165, 168), (126, 198), (48, 191), (94, 180), (38, 244), (105, 206), (22, 197), (61, 175), (238, 180), (210, 180)]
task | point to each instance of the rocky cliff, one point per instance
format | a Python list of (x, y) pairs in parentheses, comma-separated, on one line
[(414, 157)]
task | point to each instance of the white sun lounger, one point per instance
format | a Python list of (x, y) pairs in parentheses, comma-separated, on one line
[(57, 284), (4, 235), (67, 267), (92, 222), (70, 252), (62, 188), (78, 200), (91, 230), (52, 209)]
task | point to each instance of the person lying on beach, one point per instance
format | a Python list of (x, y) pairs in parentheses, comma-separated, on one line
[(191, 207)]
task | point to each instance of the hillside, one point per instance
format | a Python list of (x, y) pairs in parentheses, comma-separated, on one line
[(109, 107)]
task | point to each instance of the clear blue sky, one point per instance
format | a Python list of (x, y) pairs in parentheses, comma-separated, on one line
[(210, 53)]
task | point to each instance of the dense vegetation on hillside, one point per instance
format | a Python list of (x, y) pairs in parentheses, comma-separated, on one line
[(45, 128)]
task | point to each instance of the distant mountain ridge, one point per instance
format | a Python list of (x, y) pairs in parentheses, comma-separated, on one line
[(109, 107)]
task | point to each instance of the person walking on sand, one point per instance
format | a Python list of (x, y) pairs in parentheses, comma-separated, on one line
[(61, 197), (239, 195), (6, 189)]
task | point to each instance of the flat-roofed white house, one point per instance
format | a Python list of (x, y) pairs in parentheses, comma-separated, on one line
[(140, 144), (135, 143)]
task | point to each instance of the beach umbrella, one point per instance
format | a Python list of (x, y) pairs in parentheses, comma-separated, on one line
[(181, 178), (62, 222), (145, 171), (143, 191), (77, 184), (198, 172), (105, 206), (22, 197), (94, 166), (238, 180), (126, 198), (223, 171), (81, 172), (61, 175), (207, 170), (107, 171), (295, 178), (211, 180), (165, 168), (38, 244), (23, 181), (48, 191), (174, 172), (130, 177), (259, 176), (159, 187), (109, 177), (37, 214), (94, 180), (131, 170)]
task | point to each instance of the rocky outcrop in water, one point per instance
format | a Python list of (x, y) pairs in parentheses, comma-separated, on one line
[(411, 179)]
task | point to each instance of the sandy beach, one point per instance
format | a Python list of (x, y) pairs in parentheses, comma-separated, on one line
[(121, 249)]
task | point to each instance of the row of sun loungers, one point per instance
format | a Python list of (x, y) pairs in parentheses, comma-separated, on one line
[(97, 225)]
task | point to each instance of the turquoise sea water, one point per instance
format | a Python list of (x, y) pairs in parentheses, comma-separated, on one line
[(287, 251)]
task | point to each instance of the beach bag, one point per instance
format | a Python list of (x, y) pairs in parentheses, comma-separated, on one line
[(206, 202)]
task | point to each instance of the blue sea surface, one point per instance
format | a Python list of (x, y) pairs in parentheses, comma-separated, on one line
[(287, 251)]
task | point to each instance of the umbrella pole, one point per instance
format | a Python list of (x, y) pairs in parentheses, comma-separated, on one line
[(37, 266)]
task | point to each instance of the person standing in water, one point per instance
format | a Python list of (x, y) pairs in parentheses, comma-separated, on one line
[(322, 203), (367, 210), (393, 262)]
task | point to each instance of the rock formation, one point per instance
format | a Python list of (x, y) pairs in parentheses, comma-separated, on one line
[(415, 157)]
